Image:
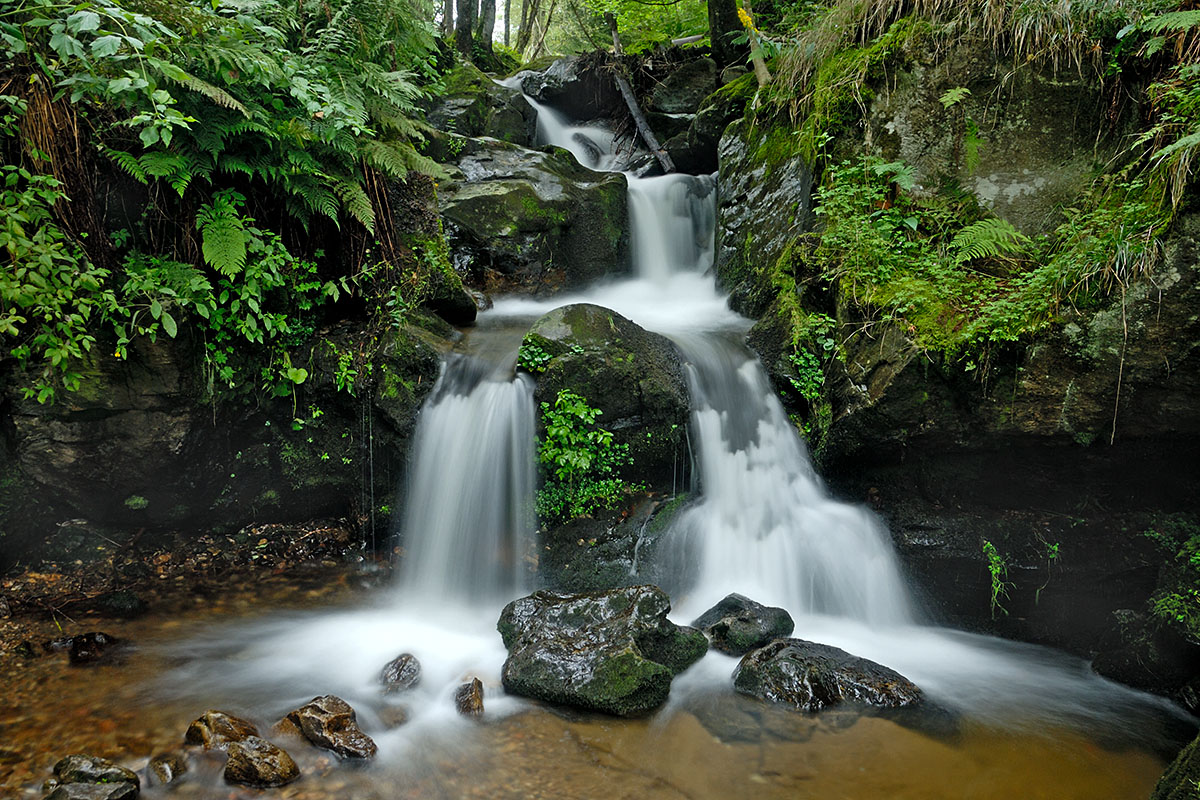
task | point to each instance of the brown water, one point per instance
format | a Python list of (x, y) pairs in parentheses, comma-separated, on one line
[(719, 746)]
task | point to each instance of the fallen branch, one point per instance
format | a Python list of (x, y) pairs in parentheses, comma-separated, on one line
[(639, 118)]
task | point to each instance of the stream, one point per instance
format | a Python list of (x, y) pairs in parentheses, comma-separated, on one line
[(1004, 720)]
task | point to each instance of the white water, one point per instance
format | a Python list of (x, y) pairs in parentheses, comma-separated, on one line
[(764, 526)]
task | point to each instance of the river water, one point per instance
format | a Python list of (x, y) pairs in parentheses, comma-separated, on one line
[(1011, 720)]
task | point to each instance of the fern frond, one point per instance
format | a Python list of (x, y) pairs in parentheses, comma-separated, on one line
[(988, 238), (385, 157), (1171, 21), (223, 235), (127, 162), (356, 201)]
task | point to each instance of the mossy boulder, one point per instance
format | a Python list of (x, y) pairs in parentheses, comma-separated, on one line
[(682, 91), (1182, 777), (580, 87), (696, 150), (612, 651), (534, 221), (633, 376), (809, 677), (737, 624), (475, 105)]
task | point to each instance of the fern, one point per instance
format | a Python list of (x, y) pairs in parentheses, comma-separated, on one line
[(358, 204), (128, 162), (223, 233), (988, 238)]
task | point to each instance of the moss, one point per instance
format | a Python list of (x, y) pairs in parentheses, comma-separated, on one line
[(628, 684), (135, 502)]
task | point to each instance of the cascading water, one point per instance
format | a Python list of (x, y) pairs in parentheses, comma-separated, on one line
[(468, 522)]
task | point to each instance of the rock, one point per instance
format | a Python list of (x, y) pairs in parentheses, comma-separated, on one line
[(92, 769), (402, 672), (25, 650), (468, 698), (329, 722), (475, 105), (167, 767), (392, 717), (574, 86), (810, 676), (685, 89), (121, 604), (698, 150), (611, 651), (634, 377), (93, 791), (216, 730), (258, 763), (92, 648), (737, 625), (592, 555), (532, 220), (1181, 777), (732, 73)]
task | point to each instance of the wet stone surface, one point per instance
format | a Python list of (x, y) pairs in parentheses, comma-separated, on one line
[(330, 723), (259, 763)]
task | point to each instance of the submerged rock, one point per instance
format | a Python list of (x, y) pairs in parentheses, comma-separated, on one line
[(612, 651), (93, 647), (402, 672), (329, 722), (468, 698), (216, 730), (737, 624), (94, 791), (811, 676), (167, 767), (93, 769), (258, 763)]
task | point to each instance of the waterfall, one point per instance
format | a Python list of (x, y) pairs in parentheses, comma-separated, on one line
[(468, 522)]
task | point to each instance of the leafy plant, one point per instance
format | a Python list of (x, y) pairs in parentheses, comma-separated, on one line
[(988, 238), (531, 357), (579, 461), (997, 566)]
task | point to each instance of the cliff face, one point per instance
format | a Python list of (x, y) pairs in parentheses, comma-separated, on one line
[(1061, 448)]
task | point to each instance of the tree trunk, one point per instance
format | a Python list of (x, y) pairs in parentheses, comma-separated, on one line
[(639, 119), (723, 27), (487, 24), (761, 73), (507, 20), (545, 28), (529, 12), (464, 25), (447, 18)]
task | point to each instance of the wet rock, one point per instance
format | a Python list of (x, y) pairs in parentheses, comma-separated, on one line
[(468, 698), (92, 648), (258, 763), (737, 625), (92, 769), (612, 651), (120, 604), (216, 730), (1181, 778), (696, 151), (93, 791), (392, 717), (475, 105), (25, 650), (532, 220), (402, 672), (634, 377), (330, 723), (167, 767), (685, 89), (811, 676), (573, 85)]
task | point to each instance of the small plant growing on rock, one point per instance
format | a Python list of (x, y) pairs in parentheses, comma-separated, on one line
[(579, 462), (998, 568)]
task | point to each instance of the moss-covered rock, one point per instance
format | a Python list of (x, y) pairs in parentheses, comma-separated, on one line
[(1180, 780), (633, 376), (686, 87), (530, 220), (475, 105), (612, 651), (737, 624)]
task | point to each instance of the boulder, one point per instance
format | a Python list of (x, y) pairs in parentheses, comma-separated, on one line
[(810, 676), (93, 647), (258, 763), (612, 651), (329, 722), (1182, 777), (737, 625), (216, 730), (696, 150), (92, 769), (167, 767), (532, 220), (686, 88), (402, 672), (634, 377), (468, 698), (475, 105), (578, 87)]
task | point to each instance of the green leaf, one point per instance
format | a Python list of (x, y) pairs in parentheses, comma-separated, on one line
[(106, 46), (82, 21), (156, 309), (297, 374), (168, 323)]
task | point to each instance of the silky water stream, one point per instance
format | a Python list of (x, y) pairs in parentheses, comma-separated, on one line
[(1012, 720)]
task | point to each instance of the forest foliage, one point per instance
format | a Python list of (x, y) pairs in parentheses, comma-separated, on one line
[(249, 133)]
